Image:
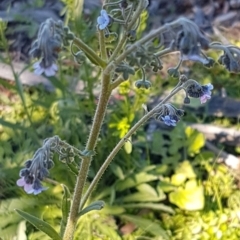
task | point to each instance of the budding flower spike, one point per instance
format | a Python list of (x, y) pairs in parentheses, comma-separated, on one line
[(51, 37), (103, 20)]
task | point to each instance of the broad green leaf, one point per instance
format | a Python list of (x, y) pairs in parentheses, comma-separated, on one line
[(195, 140), (134, 180), (186, 169), (98, 205), (191, 198), (40, 224), (147, 225), (178, 179), (66, 204)]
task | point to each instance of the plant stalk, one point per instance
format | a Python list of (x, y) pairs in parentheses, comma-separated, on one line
[(86, 160), (121, 143)]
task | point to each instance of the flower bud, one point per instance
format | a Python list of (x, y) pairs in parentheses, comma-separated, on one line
[(143, 84), (210, 63), (79, 57), (173, 72), (132, 35), (186, 100)]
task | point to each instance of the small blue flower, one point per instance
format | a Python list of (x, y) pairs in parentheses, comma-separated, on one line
[(31, 188), (40, 69), (35, 171), (103, 20), (168, 120), (206, 92)]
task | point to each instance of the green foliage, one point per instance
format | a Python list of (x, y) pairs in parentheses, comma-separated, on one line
[(168, 187), (40, 224)]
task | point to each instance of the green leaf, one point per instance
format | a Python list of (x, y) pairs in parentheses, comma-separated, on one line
[(186, 169), (135, 180), (117, 170), (40, 224), (195, 141), (178, 179), (146, 193), (147, 225), (73, 168), (191, 198), (98, 205), (128, 146), (154, 206), (157, 144), (66, 204)]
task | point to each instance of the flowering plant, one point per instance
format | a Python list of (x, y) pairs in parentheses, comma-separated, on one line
[(118, 61)]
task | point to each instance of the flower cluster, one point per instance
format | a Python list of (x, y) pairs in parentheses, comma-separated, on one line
[(190, 40), (195, 90), (103, 20), (231, 59), (51, 36), (169, 114), (36, 169)]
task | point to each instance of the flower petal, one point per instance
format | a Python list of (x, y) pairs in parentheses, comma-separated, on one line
[(21, 182), (36, 65), (38, 71), (49, 72), (28, 188)]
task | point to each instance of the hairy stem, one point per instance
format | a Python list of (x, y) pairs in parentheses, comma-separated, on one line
[(93, 57), (86, 160), (121, 143), (123, 39), (103, 49)]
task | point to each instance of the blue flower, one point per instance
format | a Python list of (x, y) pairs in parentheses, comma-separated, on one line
[(103, 20), (31, 188), (40, 69), (206, 92), (35, 171), (169, 120)]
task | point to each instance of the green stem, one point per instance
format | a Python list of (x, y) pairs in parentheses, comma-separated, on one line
[(86, 160), (93, 57), (102, 44), (124, 36), (117, 82), (121, 143), (148, 37)]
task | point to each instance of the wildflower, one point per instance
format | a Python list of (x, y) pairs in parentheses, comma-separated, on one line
[(35, 188), (35, 171), (47, 46), (169, 114), (169, 120), (40, 69), (206, 92), (189, 47), (103, 20), (197, 91)]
